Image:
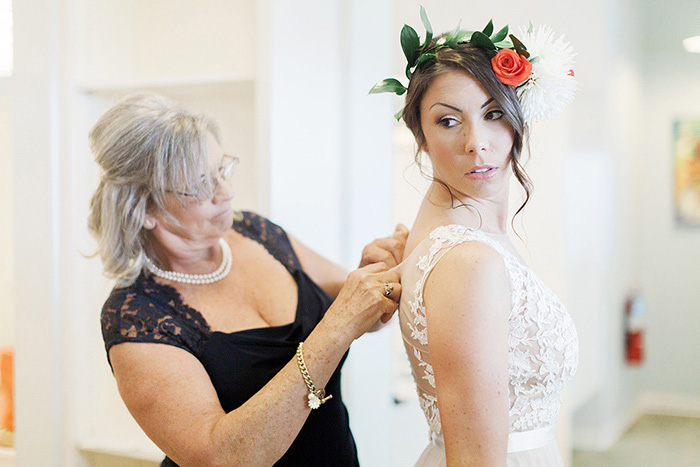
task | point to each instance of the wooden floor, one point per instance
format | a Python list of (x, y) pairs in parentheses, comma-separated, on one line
[(654, 441)]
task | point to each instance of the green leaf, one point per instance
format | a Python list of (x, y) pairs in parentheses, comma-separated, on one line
[(482, 40), (519, 47), (398, 115), (488, 30), (388, 85), (424, 58), (503, 45), (451, 38), (500, 35), (464, 36), (530, 28), (409, 43), (428, 28)]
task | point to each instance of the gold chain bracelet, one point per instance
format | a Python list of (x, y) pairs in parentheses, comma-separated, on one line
[(316, 396)]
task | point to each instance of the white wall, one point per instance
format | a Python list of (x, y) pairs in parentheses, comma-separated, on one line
[(6, 226), (304, 122), (653, 82), (38, 123), (669, 255)]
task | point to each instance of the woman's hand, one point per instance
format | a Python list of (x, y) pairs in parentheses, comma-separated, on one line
[(153, 378), (369, 294), (387, 250), (331, 277)]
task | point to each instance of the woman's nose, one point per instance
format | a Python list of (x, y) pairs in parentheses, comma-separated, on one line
[(475, 140), (223, 192)]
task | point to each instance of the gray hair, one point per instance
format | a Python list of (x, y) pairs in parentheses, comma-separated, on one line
[(145, 145)]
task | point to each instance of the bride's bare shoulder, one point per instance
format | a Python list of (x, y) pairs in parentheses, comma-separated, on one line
[(470, 266)]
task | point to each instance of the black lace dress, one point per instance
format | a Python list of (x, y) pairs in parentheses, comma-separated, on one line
[(240, 363)]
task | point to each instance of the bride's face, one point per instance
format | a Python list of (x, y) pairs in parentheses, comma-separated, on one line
[(467, 137)]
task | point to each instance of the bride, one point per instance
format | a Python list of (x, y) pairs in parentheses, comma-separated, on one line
[(490, 346)]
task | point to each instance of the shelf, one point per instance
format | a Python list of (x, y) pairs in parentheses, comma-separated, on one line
[(179, 84), (7, 457)]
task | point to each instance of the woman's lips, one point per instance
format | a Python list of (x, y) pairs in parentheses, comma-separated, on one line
[(223, 213), (482, 173)]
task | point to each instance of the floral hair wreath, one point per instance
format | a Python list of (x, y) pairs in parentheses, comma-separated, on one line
[(542, 74)]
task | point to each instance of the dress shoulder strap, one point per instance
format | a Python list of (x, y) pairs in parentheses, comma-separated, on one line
[(446, 237), (440, 241)]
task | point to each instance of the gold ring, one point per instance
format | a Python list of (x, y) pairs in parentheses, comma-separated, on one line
[(388, 289)]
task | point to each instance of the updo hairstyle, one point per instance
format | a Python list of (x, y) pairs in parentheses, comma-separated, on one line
[(146, 145), (477, 62)]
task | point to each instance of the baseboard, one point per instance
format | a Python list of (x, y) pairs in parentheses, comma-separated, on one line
[(602, 438), (678, 405)]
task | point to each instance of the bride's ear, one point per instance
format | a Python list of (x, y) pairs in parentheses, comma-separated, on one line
[(424, 144)]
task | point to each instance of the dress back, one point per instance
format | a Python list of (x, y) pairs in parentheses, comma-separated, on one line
[(542, 339)]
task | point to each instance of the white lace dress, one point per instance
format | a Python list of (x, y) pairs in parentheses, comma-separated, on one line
[(542, 351)]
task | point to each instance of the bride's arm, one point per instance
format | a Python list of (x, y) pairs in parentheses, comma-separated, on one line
[(467, 298)]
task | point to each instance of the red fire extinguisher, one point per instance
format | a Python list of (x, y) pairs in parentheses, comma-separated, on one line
[(635, 309)]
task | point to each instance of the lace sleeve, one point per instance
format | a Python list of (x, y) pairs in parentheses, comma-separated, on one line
[(129, 315), (270, 235)]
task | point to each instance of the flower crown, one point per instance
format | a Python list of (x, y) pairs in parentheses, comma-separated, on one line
[(542, 74)]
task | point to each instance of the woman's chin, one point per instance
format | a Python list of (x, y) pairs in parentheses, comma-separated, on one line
[(228, 218)]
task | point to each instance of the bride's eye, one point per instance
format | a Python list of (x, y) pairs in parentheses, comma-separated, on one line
[(495, 114), (448, 122)]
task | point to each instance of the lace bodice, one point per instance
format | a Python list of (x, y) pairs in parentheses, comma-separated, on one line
[(542, 339)]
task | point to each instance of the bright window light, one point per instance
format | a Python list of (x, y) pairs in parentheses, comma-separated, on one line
[(692, 44), (5, 38)]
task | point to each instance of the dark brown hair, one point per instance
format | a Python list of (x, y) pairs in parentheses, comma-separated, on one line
[(477, 62)]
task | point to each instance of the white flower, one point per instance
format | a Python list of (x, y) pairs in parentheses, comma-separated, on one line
[(314, 401), (551, 85)]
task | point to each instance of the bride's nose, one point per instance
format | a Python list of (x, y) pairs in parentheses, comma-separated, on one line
[(475, 140)]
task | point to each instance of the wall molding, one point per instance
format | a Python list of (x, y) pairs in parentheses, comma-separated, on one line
[(602, 438), (678, 405)]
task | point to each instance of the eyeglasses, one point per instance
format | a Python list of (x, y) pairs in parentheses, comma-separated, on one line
[(224, 173), (228, 166)]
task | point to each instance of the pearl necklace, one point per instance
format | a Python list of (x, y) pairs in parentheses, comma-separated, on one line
[(220, 273)]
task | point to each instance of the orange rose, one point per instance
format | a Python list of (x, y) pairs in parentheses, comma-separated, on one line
[(510, 67)]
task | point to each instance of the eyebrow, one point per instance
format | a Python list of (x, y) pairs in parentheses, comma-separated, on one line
[(446, 105), (458, 109)]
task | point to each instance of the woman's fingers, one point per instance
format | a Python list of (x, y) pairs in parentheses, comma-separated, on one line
[(369, 294), (378, 275), (388, 275), (388, 250), (374, 252), (401, 232), (376, 267), (391, 290)]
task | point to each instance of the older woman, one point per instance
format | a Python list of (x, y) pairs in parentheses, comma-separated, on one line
[(205, 327)]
